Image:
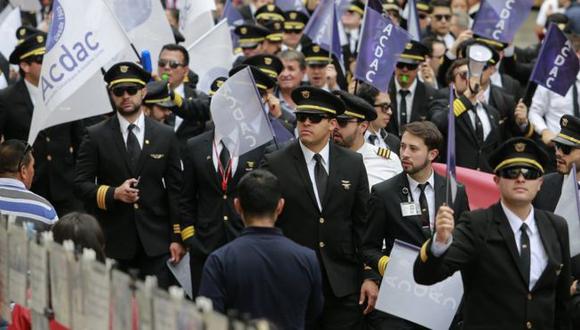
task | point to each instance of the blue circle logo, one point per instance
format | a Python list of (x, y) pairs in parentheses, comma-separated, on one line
[(57, 25)]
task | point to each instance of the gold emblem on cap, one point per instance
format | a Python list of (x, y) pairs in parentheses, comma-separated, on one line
[(277, 26), (22, 32), (409, 46), (316, 48), (271, 7), (293, 15), (520, 147), (306, 94), (564, 122), (267, 60), (124, 68), (220, 83), (244, 30), (39, 38)]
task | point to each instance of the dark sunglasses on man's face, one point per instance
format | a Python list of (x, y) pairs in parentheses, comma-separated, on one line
[(312, 117), (566, 149), (411, 67), (120, 91), (462, 75), (513, 173), (440, 17), (172, 63), (293, 31), (343, 122), (422, 16), (36, 59)]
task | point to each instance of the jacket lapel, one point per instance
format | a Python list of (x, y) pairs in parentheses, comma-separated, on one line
[(149, 138), (464, 122), (508, 237), (209, 155), (415, 220), (394, 123), (119, 141), (551, 244), (302, 170), (332, 175), (418, 98)]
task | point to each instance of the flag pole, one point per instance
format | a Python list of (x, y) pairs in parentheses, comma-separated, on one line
[(263, 109), (122, 29), (450, 117)]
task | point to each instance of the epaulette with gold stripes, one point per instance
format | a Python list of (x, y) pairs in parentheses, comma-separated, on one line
[(458, 108), (384, 152), (187, 232)]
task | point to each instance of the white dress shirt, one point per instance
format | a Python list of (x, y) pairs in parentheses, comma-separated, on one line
[(429, 195), (311, 163), (139, 131), (409, 99), (34, 92), (379, 168), (216, 149), (379, 141), (548, 107), (538, 256)]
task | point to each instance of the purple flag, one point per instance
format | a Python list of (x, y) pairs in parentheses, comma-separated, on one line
[(413, 21), (381, 45), (451, 182), (500, 19), (234, 19), (322, 28), (557, 64), (295, 5)]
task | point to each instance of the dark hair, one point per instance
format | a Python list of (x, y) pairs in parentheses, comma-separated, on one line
[(454, 65), (293, 55), (429, 41), (259, 193), (440, 3), (84, 230), (14, 154), (367, 92), (178, 48), (427, 131)]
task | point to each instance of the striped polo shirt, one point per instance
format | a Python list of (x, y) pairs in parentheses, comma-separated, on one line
[(27, 206)]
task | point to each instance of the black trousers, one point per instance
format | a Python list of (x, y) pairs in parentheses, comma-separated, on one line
[(143, 265)]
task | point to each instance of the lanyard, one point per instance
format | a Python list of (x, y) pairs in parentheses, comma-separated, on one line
[(224, 173)]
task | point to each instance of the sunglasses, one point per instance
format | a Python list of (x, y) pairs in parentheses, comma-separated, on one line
[(312, 117), (422, 16), (384, 106), (172, 63), (35, 59), (440, 17), (513, 173), (120, 91), (27, 149), (401, 65), (566, 149), (343, 122), (462, 75), (293, 30)]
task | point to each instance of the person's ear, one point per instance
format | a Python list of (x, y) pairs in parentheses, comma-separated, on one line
[(238, 206), (280, 206)]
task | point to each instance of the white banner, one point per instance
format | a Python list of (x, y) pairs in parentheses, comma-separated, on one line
[(146, 25), (195, 19), (82, 38), (239, 118), (8, 25), (211, 55), (569, 208), (430, 306)]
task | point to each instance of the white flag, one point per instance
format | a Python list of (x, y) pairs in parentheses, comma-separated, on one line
[(27, 5), (211, 55), (9, 24), (146, 25), (430, 306), (195, 19), (569, 208), (239, 118), (82, 38)]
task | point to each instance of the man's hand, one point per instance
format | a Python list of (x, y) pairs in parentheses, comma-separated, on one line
[(463, 36), (521, 114), (177, 251), (369, 291), (126, 193), (426, 72), (444, 224), (331, 77), (273, 105), (547, 137)]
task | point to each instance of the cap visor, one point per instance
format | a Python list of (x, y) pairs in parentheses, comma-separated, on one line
[(563, 141)]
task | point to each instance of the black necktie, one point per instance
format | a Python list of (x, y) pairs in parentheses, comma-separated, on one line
[(575, 99), (224, 157), (525, 252), (478, 127), (133, 147), (403, 108), (373, 139), (320, 176), (424, 207)]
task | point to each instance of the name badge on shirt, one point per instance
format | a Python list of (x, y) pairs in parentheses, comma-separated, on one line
[(410, 208)]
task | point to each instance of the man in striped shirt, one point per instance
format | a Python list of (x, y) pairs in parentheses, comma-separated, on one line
[(16, 175)]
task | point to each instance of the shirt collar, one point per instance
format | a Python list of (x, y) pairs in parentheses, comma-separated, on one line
[(309, 154), (262, 230), (124, 123), (180, 90), (516, 222), (413, 184), (411, 88), (12, 182)]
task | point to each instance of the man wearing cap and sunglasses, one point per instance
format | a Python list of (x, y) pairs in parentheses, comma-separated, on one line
[(514, 259), (326, 191), (129, 174), (55, 148)]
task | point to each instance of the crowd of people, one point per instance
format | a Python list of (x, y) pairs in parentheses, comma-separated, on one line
[(300, 231)]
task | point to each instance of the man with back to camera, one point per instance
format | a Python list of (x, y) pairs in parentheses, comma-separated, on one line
[(514, 259), (240, 275)]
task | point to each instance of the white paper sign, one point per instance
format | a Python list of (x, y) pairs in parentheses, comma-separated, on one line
[(4, 289), (121, 300), (18, 264), (431, 306), (38, 277), (96, 296)]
